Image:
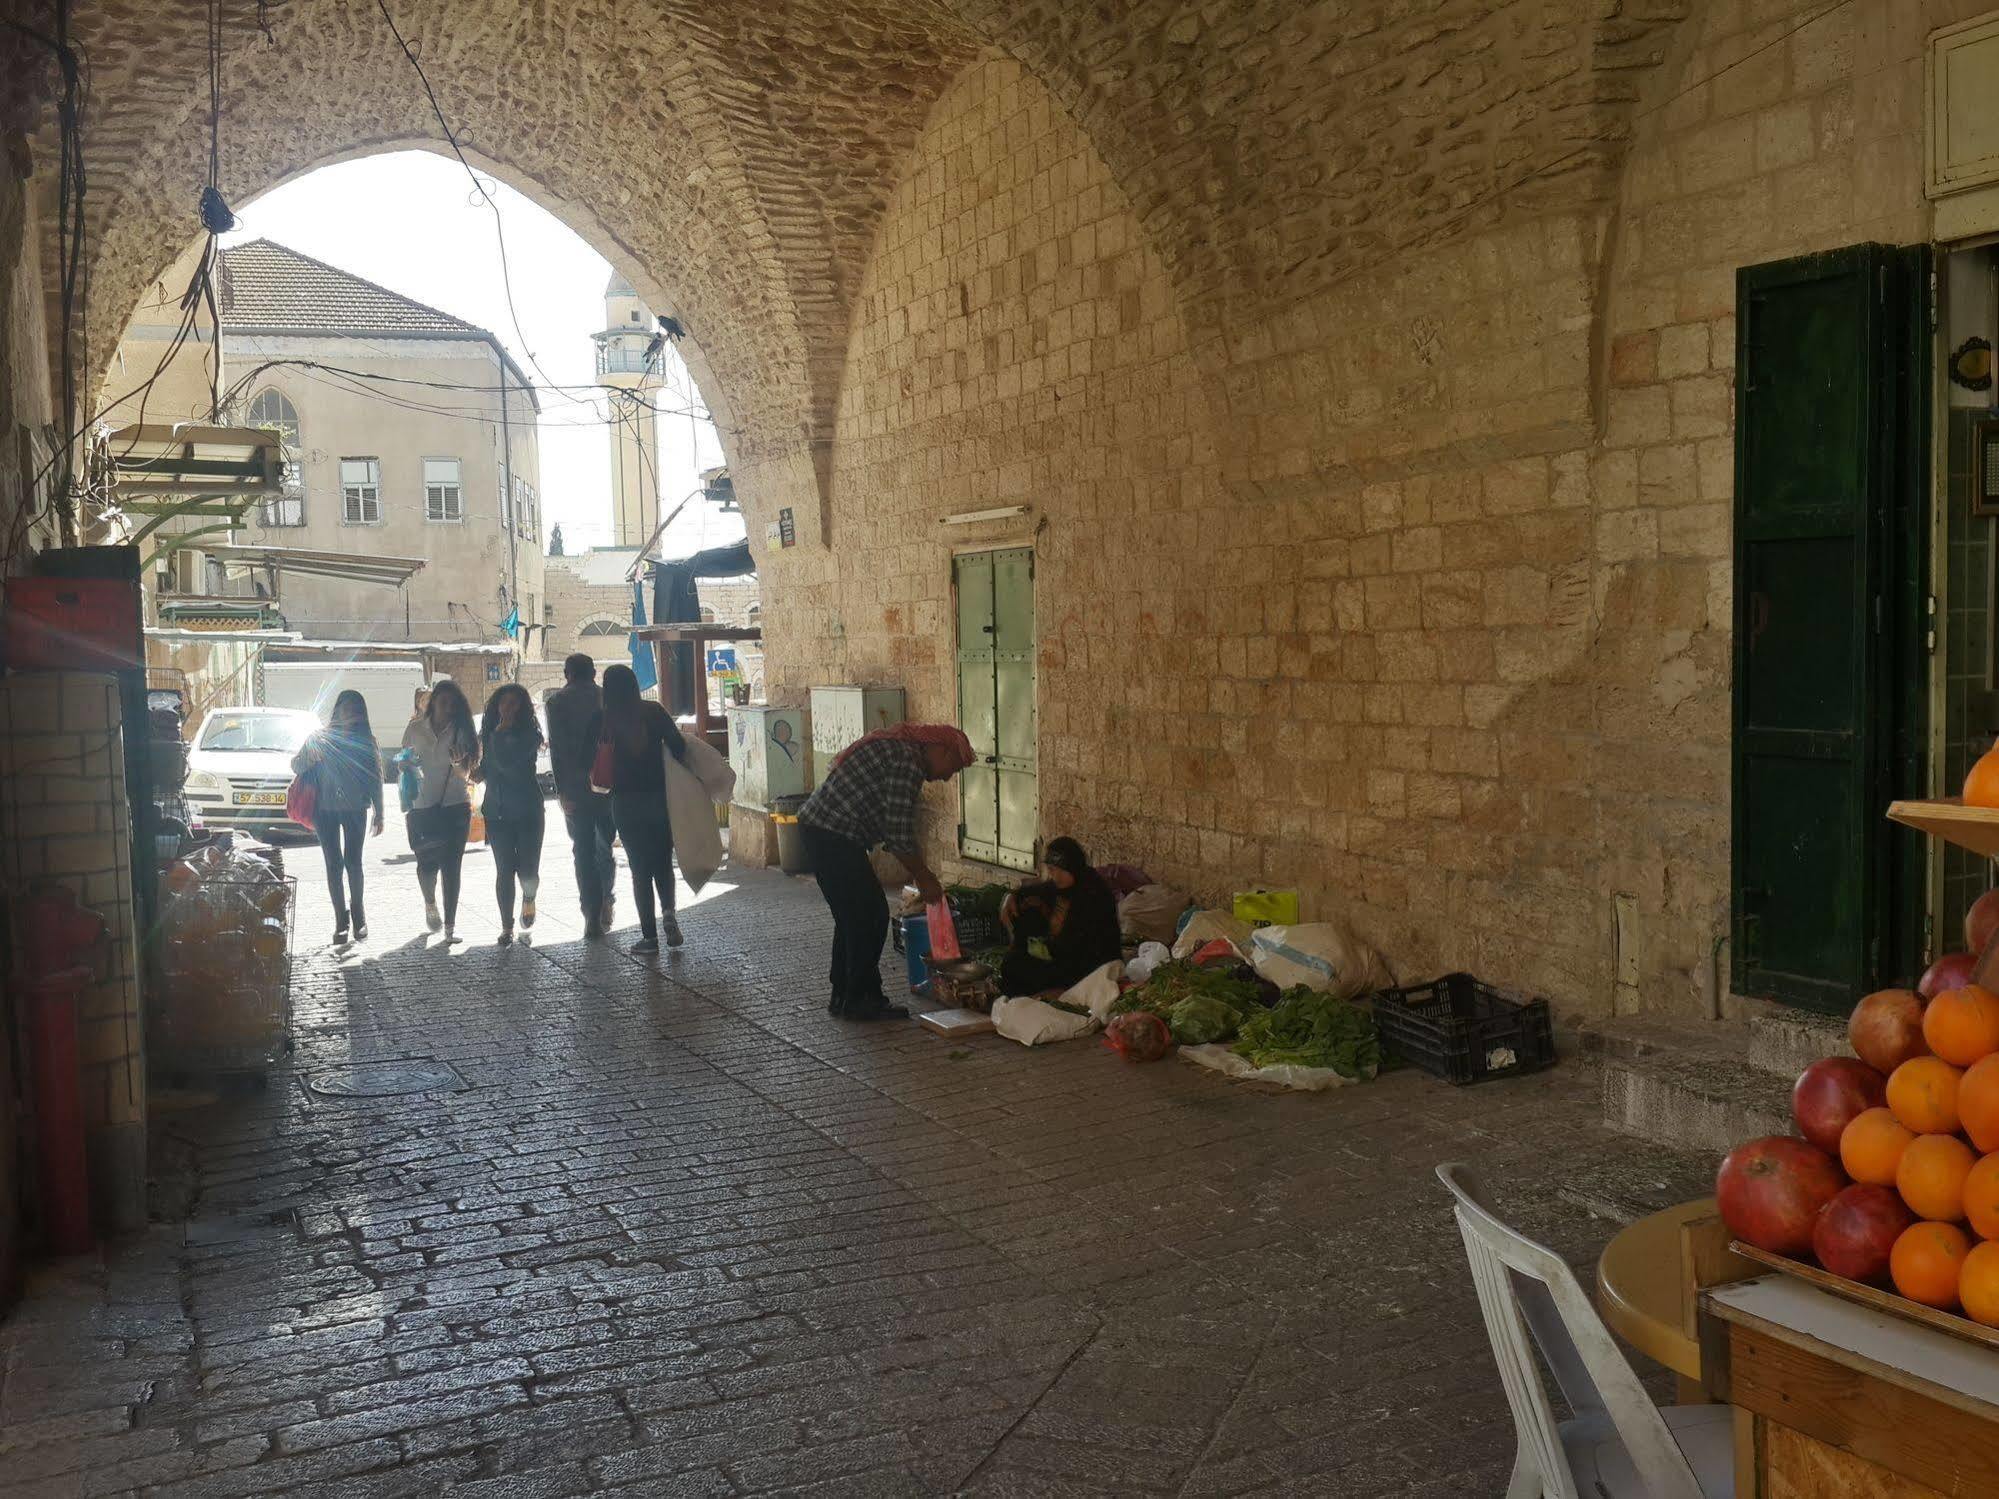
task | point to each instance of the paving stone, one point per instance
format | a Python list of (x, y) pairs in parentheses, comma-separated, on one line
[(681, 1233)]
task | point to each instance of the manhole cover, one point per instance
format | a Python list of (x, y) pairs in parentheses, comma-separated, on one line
[(384, 1079)]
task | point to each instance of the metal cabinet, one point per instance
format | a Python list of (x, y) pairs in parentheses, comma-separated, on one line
[(768, 748), (840, 715)]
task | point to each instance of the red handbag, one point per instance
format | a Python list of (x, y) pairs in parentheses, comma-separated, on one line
[(600, 767), (301, 800)]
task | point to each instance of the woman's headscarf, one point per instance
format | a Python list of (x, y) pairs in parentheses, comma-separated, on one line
[(925, 734)]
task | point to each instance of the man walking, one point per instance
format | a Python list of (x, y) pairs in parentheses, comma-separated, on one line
[(572, 713)]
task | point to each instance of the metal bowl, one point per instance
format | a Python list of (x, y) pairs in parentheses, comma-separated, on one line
[(962, 970)]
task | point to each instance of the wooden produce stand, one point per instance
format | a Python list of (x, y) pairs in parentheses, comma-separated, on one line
[(698, 636), (1837, 1400)]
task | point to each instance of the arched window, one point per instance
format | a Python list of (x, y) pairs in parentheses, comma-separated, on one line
[(707, 615), (272, 409), (604, 627)]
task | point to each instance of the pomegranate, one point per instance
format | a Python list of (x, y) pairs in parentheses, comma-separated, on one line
[(1951, 971), (1770, 1192), (1857, 1231), (1830, 1094), (1887, 1029), (1981, 921)]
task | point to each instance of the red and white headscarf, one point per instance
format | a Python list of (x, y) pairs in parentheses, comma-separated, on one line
[(926, 734)]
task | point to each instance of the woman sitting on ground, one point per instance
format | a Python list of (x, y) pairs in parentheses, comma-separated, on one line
[(1063, 929)]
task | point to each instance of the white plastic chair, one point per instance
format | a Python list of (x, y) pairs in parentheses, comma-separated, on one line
[(1619, 1445)]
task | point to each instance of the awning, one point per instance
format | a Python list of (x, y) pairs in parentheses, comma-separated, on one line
[(358, 568)]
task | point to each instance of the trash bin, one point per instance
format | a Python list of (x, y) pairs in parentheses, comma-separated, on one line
[(792, 855), (916, 950)]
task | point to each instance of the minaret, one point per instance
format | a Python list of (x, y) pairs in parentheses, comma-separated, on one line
[(628, 358)]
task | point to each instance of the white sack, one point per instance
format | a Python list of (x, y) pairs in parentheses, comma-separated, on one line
[(1322, 955), (697, 841)]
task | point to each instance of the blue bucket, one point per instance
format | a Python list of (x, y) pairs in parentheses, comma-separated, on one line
[(916, 951)]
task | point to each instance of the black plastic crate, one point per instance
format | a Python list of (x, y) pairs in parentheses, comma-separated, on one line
[(1463, 1031), (975, 933)]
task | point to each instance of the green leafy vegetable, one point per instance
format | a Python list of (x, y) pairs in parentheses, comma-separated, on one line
[(1200, 1019), (1173, 982), (1309, 1029)]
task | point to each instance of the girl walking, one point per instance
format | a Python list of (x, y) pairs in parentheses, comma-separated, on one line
[(509, 740), (638, 733), (445, 749), (346, 773)]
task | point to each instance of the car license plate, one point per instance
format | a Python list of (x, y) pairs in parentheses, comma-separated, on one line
[(258, 798)]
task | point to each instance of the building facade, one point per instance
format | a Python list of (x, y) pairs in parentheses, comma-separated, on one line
[(628, 368), (407, 432)]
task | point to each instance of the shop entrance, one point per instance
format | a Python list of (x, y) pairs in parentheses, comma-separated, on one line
[(1830, 677), (1966, 701), (999, 797)]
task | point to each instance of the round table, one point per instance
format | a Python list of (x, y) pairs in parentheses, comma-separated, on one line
[(1642, 1286)]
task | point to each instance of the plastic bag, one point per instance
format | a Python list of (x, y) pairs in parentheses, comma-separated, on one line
[(1262, 907), (1150, 956), (1035, 1022), (1322, 955), (697, 841), (716, 775), (1149, 913), (1204, 927), (1123, 878), (1138, 1036), (1223, 1059), (943, 932)]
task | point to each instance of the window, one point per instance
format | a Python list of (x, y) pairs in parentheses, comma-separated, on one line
[(604, 627), (635, 314), (361, 491), (272, 409), (443, 497), (707, 615), (998, 796), (524, 517)]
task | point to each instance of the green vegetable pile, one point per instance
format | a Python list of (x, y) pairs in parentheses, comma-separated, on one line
[(1198, 1004), (1309, 1029)]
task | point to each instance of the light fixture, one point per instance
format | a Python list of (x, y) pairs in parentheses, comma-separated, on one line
[(973, 517)]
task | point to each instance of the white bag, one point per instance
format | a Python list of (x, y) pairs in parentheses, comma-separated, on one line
[(1035, 1022), (1223, 1060), (1147, 961), (1205, 926), (697, 840), (716, 775), (1322, 955)]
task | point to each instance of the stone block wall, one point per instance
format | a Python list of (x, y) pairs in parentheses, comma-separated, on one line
[(62, 761)]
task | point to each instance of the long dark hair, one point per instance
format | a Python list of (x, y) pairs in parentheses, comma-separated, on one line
[(524, 721), (448, 695), (623, 724), (352, 703)]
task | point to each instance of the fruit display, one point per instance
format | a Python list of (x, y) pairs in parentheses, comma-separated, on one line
[(1892, 1179), (222, 999)]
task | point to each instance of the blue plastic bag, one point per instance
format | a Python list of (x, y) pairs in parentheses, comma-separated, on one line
[(406, 779)]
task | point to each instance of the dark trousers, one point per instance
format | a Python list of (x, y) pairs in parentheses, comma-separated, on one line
[(437, 838), (516, 846), (590, 834), (860, 917), (335, 829), (648, 838)]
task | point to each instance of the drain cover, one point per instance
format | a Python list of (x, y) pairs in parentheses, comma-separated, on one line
[(384, 1079)]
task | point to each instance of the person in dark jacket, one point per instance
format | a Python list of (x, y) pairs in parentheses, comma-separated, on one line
[(509, 740), (572, 745), (346, 772), (1063, 929), (640, 734)]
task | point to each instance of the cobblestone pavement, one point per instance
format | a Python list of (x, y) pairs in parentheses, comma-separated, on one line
[(671, 1230)]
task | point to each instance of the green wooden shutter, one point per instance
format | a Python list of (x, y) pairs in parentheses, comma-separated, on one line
[(1818, 372), (999, 796)]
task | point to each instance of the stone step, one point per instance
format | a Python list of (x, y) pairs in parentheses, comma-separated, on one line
[(1690, 1088), (1786, 1041)]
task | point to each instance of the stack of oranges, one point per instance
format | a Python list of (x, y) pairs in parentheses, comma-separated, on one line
[(1936, 1142)]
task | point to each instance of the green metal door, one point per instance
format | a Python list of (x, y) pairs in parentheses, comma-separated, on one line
[(999, 795), (1822, 532)]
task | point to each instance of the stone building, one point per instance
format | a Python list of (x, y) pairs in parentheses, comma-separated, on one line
[(382, 461), (1363, 385)]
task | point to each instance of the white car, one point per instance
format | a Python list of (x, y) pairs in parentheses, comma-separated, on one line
[(240, 766)]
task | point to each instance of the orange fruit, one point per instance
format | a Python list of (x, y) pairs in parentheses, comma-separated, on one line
[(1978, 1104), (1978, 1284), (1981, 785), (1922, 1093), (1871, 1146), (1927, 1261), (1931, 1176), (1962, 1025), (1981, 1198)]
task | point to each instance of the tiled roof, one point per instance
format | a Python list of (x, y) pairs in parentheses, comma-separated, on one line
[(270, 286)]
